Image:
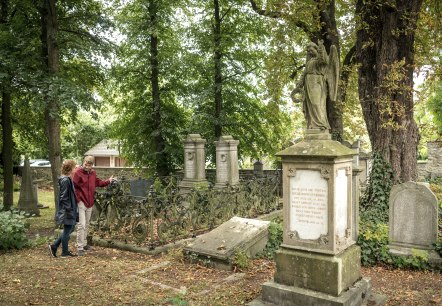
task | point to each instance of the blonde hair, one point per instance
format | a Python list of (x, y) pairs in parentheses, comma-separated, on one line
[(67, 166), (88, 159)]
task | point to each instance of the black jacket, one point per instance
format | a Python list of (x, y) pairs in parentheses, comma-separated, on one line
[(67, 209)]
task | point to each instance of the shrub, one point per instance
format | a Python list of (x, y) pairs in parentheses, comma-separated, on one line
[(240, 259), (275, 239), (13, 229), (373, 240)]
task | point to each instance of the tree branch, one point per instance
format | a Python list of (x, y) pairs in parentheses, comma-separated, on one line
[(277, 14), (265, 13), (227, 11)]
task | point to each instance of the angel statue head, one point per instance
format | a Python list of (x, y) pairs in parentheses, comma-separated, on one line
[(319, 81)]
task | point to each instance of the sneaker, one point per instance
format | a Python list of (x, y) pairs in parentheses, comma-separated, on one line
[(87, 248), (69, 254), (80, 252), (52, 250)]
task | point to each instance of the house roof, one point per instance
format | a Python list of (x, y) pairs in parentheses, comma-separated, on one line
[(105, 147)]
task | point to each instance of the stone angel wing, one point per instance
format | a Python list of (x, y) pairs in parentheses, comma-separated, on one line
[(333, 73)]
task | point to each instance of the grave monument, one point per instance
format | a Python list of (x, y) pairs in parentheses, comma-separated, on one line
[(28, 197), (318, 262), (413, 220), (227, 172), (194, 163)]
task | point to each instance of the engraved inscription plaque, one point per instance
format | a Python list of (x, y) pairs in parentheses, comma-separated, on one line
[(341, 202), (189, 165), (308, 201)]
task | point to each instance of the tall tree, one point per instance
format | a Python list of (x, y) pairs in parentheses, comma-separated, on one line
[(225, 72), (385, 52), (148, 79), (7, 142), (163, 165), (50, 61)]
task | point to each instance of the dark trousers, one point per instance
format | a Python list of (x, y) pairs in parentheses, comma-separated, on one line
[(63, 239)]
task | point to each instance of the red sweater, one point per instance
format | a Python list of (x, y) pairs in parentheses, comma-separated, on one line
[(85, 184)]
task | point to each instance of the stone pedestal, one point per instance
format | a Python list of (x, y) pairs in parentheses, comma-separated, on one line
[(226, 162), (319, 261), (194, 163)]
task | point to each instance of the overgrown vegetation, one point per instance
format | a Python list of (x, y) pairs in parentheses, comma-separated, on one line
[(373, 230), (275, 239), (374, 201), (13, 227)]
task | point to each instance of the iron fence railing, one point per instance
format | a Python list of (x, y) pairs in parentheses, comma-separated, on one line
[(166, 215)]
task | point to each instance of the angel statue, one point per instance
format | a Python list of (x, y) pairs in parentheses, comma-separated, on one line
[(319, 79)]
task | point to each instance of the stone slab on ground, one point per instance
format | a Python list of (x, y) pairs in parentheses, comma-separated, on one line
[(282, 295), (238, 234)]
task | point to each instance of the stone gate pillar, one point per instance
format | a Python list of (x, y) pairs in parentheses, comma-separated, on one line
[(227, 171), (194, 163)]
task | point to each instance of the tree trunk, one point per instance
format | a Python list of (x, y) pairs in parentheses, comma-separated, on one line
[(8, 144), (385, 52), (162, 160), (8, 176), (50, 57), (218, 81), (329, 34)]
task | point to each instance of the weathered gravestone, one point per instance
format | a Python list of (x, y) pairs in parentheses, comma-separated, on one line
[(220, 245), (139, 187), (28, 197), (413, 219), (226, 161), (194, 163)]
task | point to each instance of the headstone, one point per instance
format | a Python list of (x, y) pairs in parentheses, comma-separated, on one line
[(28, 201), (227, 171), (139, 187), (194, 163), (238, 234), (258, 168), (413, 219)]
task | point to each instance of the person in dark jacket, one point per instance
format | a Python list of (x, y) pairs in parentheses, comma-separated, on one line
[(85, 182), (66, 210)]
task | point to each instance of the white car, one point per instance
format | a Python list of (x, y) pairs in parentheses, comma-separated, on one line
[(41, 163), (37, 163)]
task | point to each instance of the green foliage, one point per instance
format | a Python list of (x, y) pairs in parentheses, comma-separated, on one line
[(435, 106), (13, 229), (374, 201), (241, 259), (438, 247), (275, 238), (177, 300), (373, 240), (131, 90)]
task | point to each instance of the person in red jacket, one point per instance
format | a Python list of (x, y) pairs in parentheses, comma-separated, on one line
[(85, 182)]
